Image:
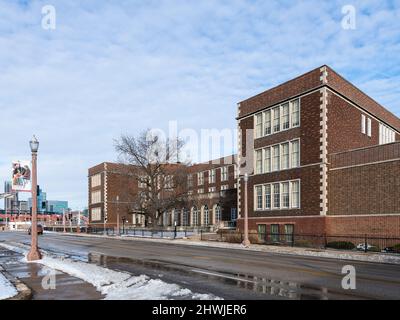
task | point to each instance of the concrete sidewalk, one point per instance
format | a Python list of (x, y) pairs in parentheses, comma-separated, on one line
[(307, 252), (28, 278)]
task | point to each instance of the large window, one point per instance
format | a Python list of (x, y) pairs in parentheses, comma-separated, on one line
[(195, 215), (279, 157), (295, 153), (267, 192), (262, 232), (259, 125), (295, 113), (276, 119), (259, 198), (259, 162), (95, 214), (289, 233), (96, 180), (224, 173), (206, 216), (274, 232), (295, 186), (285, 156), (211, 176), (96, 197), (200, 178), (267, 123), (277, 195), (276, 158), (285, 116), (386, 135), (217, 213)]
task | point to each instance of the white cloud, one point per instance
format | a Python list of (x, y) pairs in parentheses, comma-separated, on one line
[(113, 68)]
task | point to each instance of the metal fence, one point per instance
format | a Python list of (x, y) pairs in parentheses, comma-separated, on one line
[(344, 242)]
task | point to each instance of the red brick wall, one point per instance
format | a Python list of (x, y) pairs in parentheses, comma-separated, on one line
[(363, 190), (344, 126), (384, 226)]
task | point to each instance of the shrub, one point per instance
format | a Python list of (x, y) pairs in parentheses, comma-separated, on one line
[(233, 238), (346, 245), (396, 247)]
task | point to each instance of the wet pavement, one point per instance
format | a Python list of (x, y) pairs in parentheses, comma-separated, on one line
[(35, 275), (229, 274)]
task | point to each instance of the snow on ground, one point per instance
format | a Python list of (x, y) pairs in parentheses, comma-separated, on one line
[(115, 285), (7, 290)]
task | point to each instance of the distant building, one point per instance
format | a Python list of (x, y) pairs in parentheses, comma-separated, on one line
[(56, 206)]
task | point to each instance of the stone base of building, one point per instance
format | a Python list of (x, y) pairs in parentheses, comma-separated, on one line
[(385, 226)]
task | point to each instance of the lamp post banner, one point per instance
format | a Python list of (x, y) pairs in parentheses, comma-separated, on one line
[(21, 176)]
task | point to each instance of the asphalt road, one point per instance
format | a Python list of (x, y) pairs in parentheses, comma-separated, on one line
[(228, 273)]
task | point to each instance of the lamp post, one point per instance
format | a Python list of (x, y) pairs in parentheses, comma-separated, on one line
[(34, 253), (175, 229), (118, 228), (246, 241)]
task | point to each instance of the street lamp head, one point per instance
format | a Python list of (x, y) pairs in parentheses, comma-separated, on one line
[(34, 143)]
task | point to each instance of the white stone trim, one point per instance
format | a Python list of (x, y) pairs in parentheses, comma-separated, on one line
[(324, 151)]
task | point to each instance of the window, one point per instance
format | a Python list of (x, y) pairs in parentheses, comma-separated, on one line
[(267, 123), (96, 197), (285, 195), (258, 161), (200, 191), (369, 127), (206, 216), (386, 135), (224, 187), (96, 214), (277, 196), (142, 182), (267, 192), (233, 214), (276, 158), (285, 116), (363, 124), (190, 181), (262, 232), (200, 178), (295, 113), (277, 119), (236, 170), (259, 198), (274, 232), (195, 217), (96, 180), (212, 189), (211, 176), (295, 186), (259, 125), (168, 182), (224, 173), (289, 233), (285, 156), (217, 214), (185, 217), (295, 154), (267, 160)]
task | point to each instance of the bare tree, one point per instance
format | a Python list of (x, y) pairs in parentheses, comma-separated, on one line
[(161, 178)]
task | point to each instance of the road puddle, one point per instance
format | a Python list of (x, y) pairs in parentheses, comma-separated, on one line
[(261, 285)]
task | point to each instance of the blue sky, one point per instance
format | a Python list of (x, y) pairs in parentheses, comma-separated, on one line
[(113, 67)]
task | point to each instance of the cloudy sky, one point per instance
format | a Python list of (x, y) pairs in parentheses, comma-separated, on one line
[(113, 67)]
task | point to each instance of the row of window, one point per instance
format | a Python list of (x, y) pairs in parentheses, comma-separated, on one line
[(386, 135), (366, 125), (278, 157), (278, 119), (274, 234), (211, 176), (279, 195)]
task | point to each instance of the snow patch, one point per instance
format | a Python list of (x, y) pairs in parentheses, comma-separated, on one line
[(116, 285), (7, 290)]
